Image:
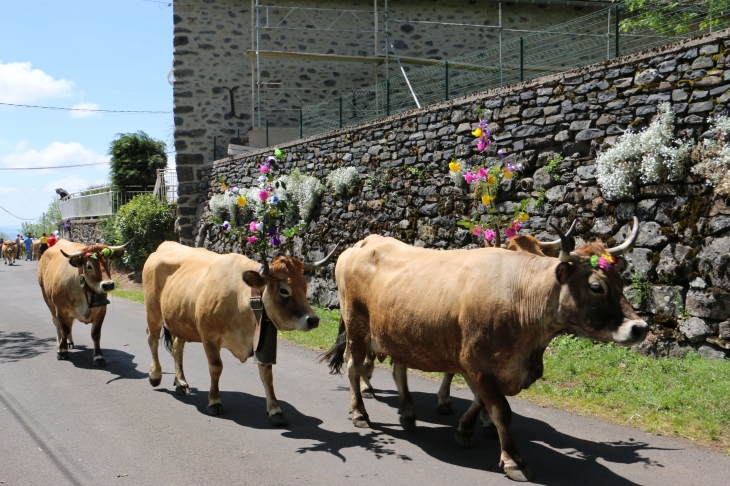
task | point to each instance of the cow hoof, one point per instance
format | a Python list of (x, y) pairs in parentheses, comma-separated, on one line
[(99, 362), (445, 409), (465, 441), (491, 432), (361, 421), (216, 409), (155, 381), (70, 345), (62, 356), (182, 390), (278, 419), (516, 473), (368, 393), (408, 424)]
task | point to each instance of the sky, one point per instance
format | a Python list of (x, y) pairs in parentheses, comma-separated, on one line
[(97, 54)]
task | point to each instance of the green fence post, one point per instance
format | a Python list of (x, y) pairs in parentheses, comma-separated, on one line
[(387, 97), (522, 59), (267, 132), (617, 22), (300, 123), (340, 111), (446, 78)]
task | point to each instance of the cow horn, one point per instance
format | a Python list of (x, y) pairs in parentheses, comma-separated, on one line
[(117, 248), (264, 271), (72, 255), (554, 245), (566, 245), (314, 266), (617, 250)]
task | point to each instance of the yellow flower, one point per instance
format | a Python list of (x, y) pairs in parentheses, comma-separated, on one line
[(454, 166), (507, 173), (487, 199), (241, 201), (523, 217), (491, 180), (224, 187), (477, 133)]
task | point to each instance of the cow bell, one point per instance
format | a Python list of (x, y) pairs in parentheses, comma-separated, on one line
[(98, 300)]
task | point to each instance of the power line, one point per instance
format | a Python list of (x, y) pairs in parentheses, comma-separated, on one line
[(88, 109), (54, 167), (13, 215)]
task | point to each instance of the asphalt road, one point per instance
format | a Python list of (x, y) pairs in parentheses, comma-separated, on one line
[(70, 423)]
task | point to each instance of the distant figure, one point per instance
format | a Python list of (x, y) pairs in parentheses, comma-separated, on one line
[(51, 240), (18, 245), (62, 192), (28, 242), (44, 244)]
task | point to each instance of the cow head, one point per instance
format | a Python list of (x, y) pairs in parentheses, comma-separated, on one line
[(592, 302), (91, 260), (284, 291)]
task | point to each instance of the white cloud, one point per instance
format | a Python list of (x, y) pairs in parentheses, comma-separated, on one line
[(19, 83), (84, 106), (7, 190), (55, 154)]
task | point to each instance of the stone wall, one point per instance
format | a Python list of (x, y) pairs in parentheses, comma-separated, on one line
[(406, 193), (85, 231)]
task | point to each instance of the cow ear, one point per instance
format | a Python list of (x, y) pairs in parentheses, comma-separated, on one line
[(621, 264), (253, 279), (117, 254), (75, 261), (563, 272)]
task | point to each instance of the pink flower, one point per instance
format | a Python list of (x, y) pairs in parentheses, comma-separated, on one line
[(603, 264), (489, 235), (516, 225), (510, 233), (252, 226), (482, 145), (478, 230), (263, 195), (470, 178), (482, 173), (252, 240), (264, 169)]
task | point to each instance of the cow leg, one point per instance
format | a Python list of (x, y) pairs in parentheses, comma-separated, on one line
[(215, 366), (70, 340), (464, 434), (276, 416), (153, 339), (367, 373), (407, 409), (354, 372), (63, 330), (99, 360), (181, 384), (444, 396), (499, 410)]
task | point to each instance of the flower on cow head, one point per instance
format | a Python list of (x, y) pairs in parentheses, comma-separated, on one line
[(107, 252), (604, 261)]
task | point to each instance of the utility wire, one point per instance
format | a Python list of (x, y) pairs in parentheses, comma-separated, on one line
[(13, 215), (54, 167), (87, 109)]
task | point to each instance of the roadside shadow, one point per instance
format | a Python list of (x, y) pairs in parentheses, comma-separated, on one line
[(118, 363), (15, 346), (554, 457), (250, 411)]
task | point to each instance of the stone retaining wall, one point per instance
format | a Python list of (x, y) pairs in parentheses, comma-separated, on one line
[(406, 193), (87, 231)]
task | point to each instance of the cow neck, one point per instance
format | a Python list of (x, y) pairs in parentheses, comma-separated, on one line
[(257, 305), (85, 286)]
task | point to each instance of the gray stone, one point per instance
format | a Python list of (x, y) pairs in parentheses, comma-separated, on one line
[(703, 63), (698, 95), (543, 179), (606, 96), (463, 128), (645, 77), (650, 235), (666, 300), (556, 194), (562, 136), (715, 305), (645, 110), (694, 329), (667, 66), (375, 150), (709, 50), (586, 172), (719, 224), (679, 95), (625, 211), (710, 351), (602, 226), (712, 256), (639, 260), (646, 209), (524, 131), (430, 210), (579, 125), (702, 107), (698, 283), (723, 330), (589, 134)]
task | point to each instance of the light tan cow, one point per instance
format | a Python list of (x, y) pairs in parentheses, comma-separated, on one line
[(36, 250), (9, 252), (200, 296), (429, 310), (73, 286)]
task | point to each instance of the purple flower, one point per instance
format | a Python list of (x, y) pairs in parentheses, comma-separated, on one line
[(270, 159), (271, 231), (275, 241), (226, 226)]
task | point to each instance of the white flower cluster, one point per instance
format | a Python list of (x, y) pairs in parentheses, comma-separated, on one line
[(343, 179), (714, 158), (223, 204), (723, 124), (304, 191), (651, 155)]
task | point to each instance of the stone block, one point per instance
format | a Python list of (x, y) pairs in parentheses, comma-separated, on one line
[(666, 300), (708, 82), (606, 96), (694, 329), (713, 256), (605, 119), (532, 112), (579, 125), (463, 128), (719, 224), (639, 260), (185, 174), (723, 330), (650, 235), (188, 159), (667, 66), (711, 351), (646, 209), (712, 305), (703, 63), (623, 83), (602, 226), (645, 77), (524, 131), (589, 134), (709, 50), (625, 211), (679, 95), (645, 110), (586, 172), (562, 136), (556, 194)]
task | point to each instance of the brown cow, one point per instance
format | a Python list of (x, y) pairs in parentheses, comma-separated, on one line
[(202, 296), (9, 252), (429, 310), (71, 279), (36, 249)]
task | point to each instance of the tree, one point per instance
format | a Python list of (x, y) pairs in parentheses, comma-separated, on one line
[(47, 223), (673, 17), (135, 158)]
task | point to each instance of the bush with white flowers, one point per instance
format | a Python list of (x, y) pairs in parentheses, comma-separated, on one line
[(650, 156), (713, 158), (343, 179), (304, 191)]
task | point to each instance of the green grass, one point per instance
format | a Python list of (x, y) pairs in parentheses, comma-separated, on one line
[(688, 398)]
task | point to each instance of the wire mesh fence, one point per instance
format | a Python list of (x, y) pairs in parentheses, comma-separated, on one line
[(580, 42)]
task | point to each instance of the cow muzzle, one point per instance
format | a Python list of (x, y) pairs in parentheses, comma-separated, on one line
[(631, 332), (107, 286), (308, 322)]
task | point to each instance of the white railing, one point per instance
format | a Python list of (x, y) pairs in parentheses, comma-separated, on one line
[(166, 185)]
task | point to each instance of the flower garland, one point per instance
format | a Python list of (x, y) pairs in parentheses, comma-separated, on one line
[(604, 262)]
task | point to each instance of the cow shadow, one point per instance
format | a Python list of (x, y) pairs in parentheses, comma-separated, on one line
[(554, 457), (118, 363), (15, 346)]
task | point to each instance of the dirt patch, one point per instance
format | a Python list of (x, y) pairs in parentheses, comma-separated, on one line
[(125, 282)]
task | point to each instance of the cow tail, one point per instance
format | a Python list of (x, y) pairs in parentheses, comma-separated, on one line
[(336, 354), (167, 339)]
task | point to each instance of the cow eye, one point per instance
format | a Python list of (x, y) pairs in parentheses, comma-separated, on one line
[(284, 292), (596, 288)]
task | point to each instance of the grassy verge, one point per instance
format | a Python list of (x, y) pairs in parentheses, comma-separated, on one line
[(688, 398)]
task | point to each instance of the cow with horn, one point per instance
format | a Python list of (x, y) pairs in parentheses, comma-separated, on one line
[(73, 286), (224, 301), (429, 310)]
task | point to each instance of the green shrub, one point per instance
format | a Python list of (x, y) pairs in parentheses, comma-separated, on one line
[(144, 222)]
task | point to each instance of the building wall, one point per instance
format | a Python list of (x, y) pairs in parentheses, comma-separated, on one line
[(406, 192)]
